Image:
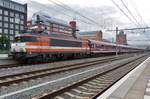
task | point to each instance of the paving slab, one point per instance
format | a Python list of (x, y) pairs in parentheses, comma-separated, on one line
[(133, 85), (138, 90)]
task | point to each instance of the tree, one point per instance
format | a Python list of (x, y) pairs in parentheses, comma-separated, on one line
[(4, 43)]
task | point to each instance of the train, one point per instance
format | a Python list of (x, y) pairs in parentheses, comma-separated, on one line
[(52, 45), (36, 46)]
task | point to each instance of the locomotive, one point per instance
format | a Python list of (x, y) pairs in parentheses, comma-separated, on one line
[(57, 41), (27, 46)]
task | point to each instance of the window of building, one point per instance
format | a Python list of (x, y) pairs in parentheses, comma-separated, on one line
[(22, 16), (0, 24), (12, 20), (17, 20), (7, 36), (12, 6), (11, 38), (16, 32), (6, 31), (0, 17), (1, 4), (11, 26), (16, 7), (1, 11), (6, 4), (0, 30), (23, 9), (21, 27), (12, 32), (6, 25), (5, 12), (12, 14), (5, 18), (22, 22), (17, 15), (17, 27)]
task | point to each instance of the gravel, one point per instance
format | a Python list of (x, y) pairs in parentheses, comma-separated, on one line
[(7, 61), (21, 69)]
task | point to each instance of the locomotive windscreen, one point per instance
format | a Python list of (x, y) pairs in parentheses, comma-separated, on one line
[(25, 39)]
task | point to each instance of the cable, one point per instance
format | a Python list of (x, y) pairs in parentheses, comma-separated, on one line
[(142, 28), (69, 16), (123, 12), (72, 10), (140, 40), (130, 12), (138, 13)]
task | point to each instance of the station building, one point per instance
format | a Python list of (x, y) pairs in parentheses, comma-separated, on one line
[(13, 18)]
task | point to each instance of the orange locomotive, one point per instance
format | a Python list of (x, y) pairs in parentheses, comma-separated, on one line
[(34, 46)]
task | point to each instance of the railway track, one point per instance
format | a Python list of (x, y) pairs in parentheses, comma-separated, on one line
[(93, 86), (10, 65), (6, 66), (25, 76)]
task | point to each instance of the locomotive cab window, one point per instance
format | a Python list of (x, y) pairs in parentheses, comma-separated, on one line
[(26, 39)]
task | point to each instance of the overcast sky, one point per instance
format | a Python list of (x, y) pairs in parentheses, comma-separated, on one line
[(104, 12)]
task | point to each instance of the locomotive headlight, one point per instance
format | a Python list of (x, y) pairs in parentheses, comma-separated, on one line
[(13, 44), (20, 44), (22, 50)]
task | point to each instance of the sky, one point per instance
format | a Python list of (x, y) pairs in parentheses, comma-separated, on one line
[(103, 12)]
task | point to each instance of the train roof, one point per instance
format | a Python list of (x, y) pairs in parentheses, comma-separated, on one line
[(113, 44)]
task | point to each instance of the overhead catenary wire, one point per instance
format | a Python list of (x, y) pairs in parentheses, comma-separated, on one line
[(128, 29), (65, 6), (123, 12), (140, 40), (81, 20), (130, 12), (138, 13)]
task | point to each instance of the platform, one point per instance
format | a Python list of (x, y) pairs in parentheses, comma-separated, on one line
[(135, 85), (5, 56)]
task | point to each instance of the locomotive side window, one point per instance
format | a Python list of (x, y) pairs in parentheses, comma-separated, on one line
[(25, 39), (65, 43)]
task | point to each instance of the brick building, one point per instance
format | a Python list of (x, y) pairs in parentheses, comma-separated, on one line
[(93, 35), (121, 38)]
